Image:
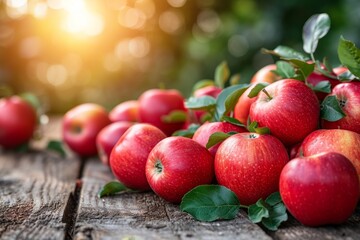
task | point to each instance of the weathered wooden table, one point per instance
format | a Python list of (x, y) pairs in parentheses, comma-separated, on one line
[(45, 196)]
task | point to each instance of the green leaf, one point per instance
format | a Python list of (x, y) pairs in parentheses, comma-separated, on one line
[(303, 68), (222, 73), (331, 109), (345, 76), (227, 99), (235, 79), (253, 127), (203, 83), (33, 100), (189, 132), (349, 56), (287, 53), (200, 103), (273, 199), (284, 69), (210, 202), (277, 215), (217, 137), (233, 121), (315, 28), (175, 116), (112, 188), (323, 86), (56, 146), (256, 89), (258, 211)]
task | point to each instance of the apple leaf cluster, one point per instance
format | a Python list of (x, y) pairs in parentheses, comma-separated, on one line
[(214, 202)]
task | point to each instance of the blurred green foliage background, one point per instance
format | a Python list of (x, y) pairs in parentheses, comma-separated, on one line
[(106, 51)]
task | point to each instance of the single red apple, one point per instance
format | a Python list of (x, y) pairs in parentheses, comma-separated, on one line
[(80, 126), (348, 95), (176, 165), (203, 133), (265, 75), (341, 141), (242, 107), (289, 108), (129, 155), (155, 104), (320, 189), (125, 111), (108, 137), (18, 121), (249, 164)]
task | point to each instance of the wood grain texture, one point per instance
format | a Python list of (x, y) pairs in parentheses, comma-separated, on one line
[(145, 215)]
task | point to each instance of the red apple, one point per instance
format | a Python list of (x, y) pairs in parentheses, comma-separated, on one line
[(341, 141), (212, 91), (80, 126), (242, 107), (176, 165), (340, 70), (290, 109), (155, 104), (249, 164), (320, 189), (203, 133), (315, 77), (265, 75), (125, 111), (108, 137), (348, 95), (129, 155), (18, 121)]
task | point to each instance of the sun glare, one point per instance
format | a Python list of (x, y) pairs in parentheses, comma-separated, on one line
[(79, 20)]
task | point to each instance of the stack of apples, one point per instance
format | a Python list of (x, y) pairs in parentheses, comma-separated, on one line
[(315, 164)]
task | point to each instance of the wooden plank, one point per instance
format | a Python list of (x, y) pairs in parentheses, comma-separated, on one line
[(145, 216), (35, 188)]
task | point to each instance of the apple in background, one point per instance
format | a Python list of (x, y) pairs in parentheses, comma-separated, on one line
[(340, 70), (203, 133), (129, 155), (18, 121), (242, 107), (250, 164), (341, 141), (320, 189), (80, 126), (290, 110), (176, 165), (348, 95), (125, 111), (314, 78), (155, 104), (265, 75), (108, 137)]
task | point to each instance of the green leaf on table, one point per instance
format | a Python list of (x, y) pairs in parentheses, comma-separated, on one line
[(322, 86), (271, 212), (256, 89), (175, 116), (349, 56), (203, 83), (218, 137), (227, 100), (331, 110), (254, 127), (222, 73), (233, 121), (56, 146), (189, 132), (287, 53), (112, 188), (200, 103), (210, 202), (315, 28), (284, 69)]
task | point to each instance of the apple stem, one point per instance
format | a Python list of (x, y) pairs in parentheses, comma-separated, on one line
[(158, 166), (267, 94)]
